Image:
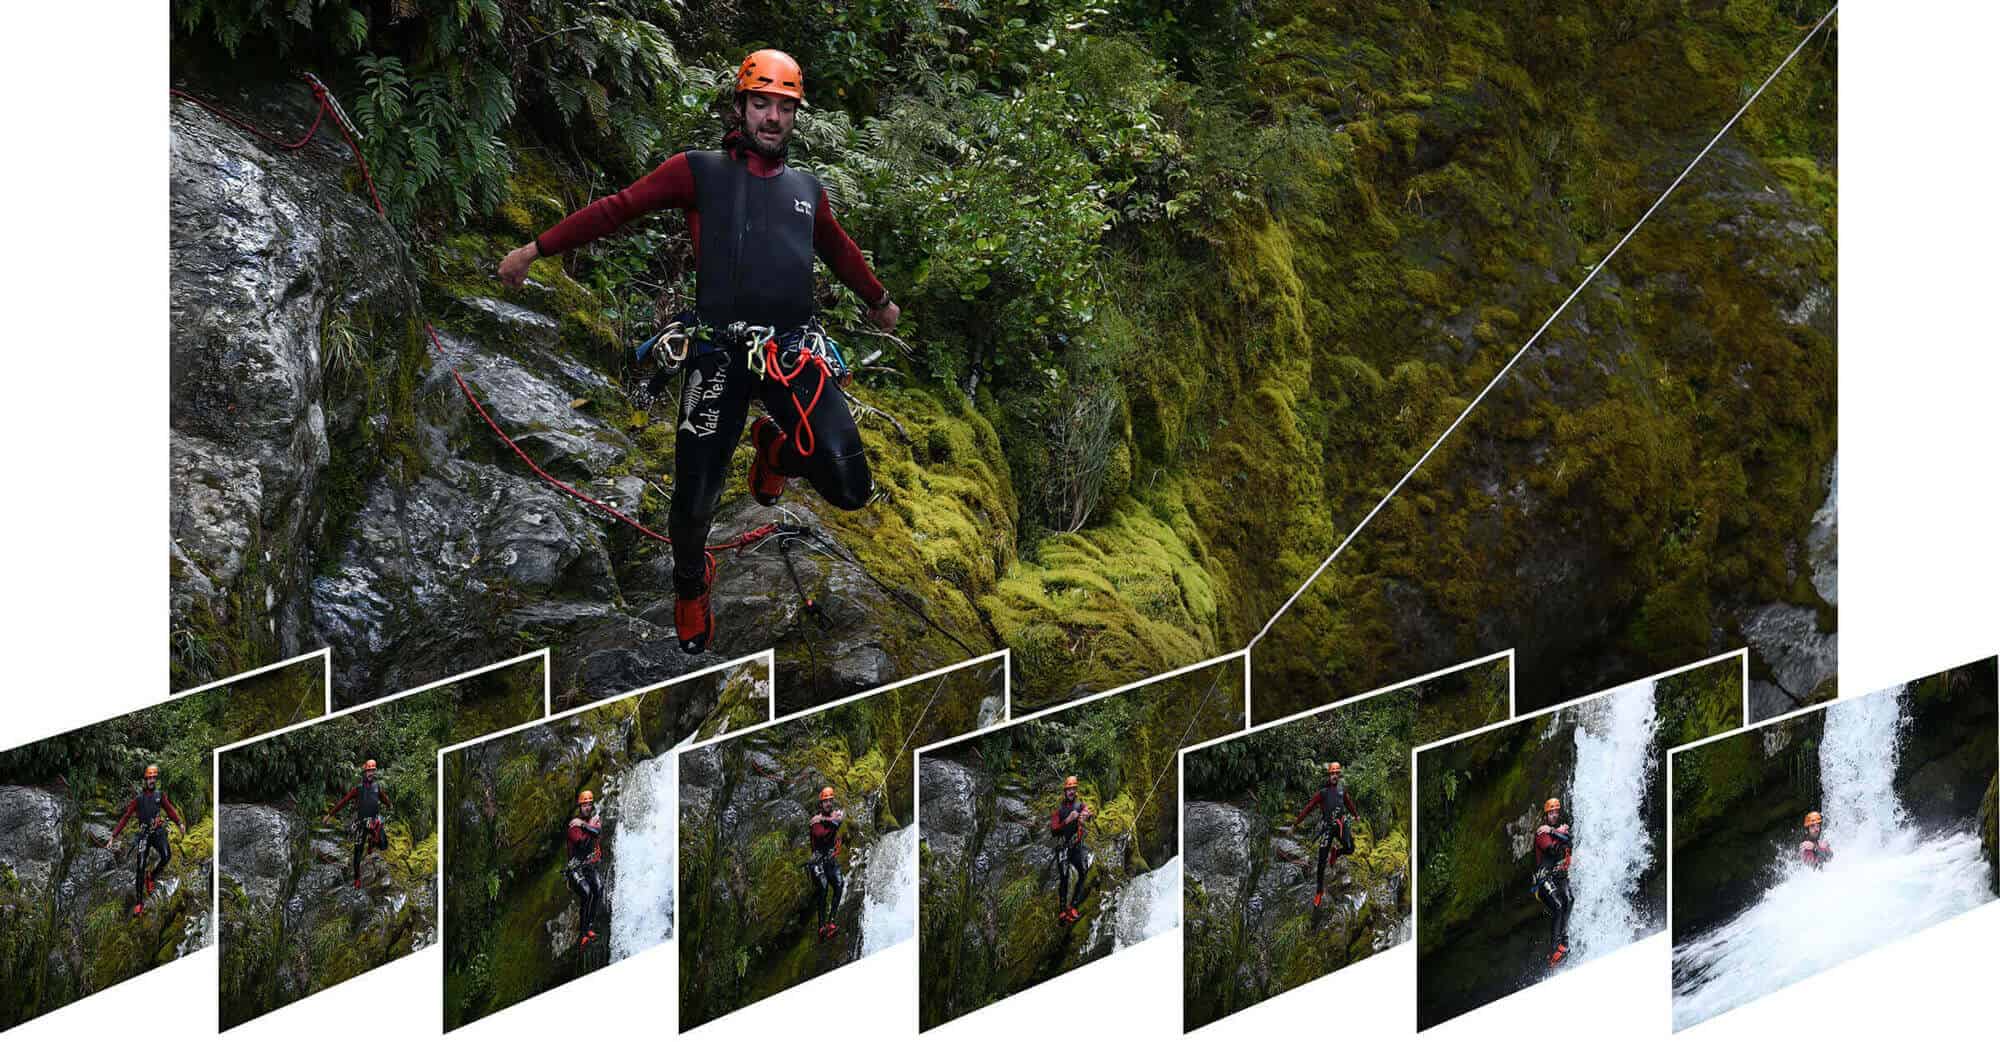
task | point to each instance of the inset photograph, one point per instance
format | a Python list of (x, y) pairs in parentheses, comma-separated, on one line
[(559, 836), (1541, 842), (798, 839), (1813, 838), (107, 836), (1295, 837), (327, 833), (1053, 842)]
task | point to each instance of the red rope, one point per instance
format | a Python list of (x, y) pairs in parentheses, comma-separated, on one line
[(803, 437), (742, 540)]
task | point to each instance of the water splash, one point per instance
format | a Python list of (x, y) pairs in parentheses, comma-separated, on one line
[(1887, 879), (889, 891), (642, 901), (1149, 905), (1616, 761)]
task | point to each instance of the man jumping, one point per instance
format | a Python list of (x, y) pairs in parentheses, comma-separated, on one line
[(150, 806), (1336, 837), (757, 224), (369, 801)]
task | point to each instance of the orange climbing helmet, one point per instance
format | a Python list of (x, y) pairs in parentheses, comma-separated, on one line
[(152, 771), (772, 72), (1552, 805), (369, 766), (1812, 818), (826, 793), (1069, 782), (1333, 769), (584, 797)]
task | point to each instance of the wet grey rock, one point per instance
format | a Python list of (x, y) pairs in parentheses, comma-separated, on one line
[(31, 834), (264, 247), (256, 851)]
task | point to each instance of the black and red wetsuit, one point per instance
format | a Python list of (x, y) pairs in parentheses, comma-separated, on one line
[(147, 807), (823, 838), (762, 274), (584, 836), (1552, 850), (368, 799), (1336, 839), (1066, 824), (1815, 852)]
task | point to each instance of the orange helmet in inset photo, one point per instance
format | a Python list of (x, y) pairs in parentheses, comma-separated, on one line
[(772, 72), (1333, 770), (826, 793), (586, 796), (1069, 782), (1552, 805), (369, 766), (1812, 818), (152, 770)]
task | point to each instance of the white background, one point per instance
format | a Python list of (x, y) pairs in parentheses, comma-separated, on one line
[(82, 441)]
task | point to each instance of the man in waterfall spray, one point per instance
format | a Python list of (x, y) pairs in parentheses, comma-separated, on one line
[(1814, 851), (585, 831), (823, 837), (149, 806), (1336, 829), (1552, 854), (369, 801), (756, 225), (1066, 824)]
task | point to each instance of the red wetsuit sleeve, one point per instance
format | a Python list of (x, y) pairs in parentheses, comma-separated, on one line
[(173, 812), (344, 800), (669, 186), (576, 832), (1310, 804), (130, 809), (383, 795), (831, 242), (1055, 819), (1544, 840)]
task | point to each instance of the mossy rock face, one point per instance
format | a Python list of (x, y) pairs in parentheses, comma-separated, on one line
[(750, 928), (66, 899), (1251, 928), (512, 922), (986, 867), (294, 923), (1481, 933)]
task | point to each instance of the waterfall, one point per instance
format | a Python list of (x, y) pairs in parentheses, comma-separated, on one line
[(1148, 905), (1616, 762), (642, 901), (992, 709), (889, 891), (1857, 770), (1886, 880)]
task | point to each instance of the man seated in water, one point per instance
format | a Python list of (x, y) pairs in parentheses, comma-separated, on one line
[(1814, 851)]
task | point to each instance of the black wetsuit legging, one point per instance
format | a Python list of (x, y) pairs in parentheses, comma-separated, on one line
[(1553, 892), (715, 404), (154, 839), (583, 881), (1067, 858), (1336, 831), (364, 841), (826, 882)]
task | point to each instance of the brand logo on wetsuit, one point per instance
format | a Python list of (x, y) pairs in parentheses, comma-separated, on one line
[(801, 206), (702, 404)]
